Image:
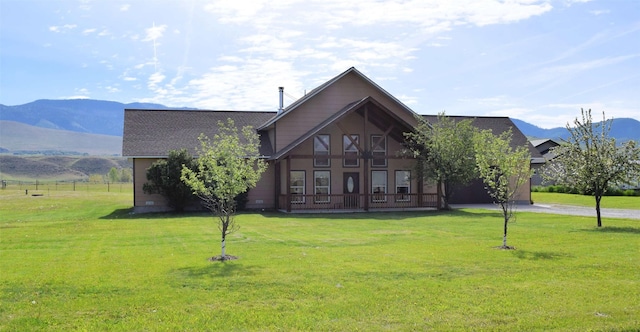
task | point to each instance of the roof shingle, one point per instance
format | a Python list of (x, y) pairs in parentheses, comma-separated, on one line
[(153, 133)]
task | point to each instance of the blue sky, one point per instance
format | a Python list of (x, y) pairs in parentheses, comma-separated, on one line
[(535, 60)]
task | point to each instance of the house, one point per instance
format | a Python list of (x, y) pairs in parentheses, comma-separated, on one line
[(474, 192), (336, 148), (544, 147)]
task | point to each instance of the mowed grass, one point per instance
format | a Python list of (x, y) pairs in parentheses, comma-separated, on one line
[(608, 202), (82, 262)]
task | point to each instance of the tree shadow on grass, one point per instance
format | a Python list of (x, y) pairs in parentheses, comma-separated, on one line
[(614, 229), (540, 255), (386, 215), (207, 277), (128, 213), (217, 269)]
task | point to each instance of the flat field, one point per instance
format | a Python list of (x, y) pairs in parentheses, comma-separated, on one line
[(79, 261)]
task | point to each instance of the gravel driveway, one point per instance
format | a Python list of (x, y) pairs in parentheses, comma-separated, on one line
[(561, 209)]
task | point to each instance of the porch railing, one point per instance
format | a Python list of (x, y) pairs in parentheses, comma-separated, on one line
[(357, 201)]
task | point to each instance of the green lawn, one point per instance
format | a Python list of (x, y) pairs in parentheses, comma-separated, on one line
[(74, 261), (613, 202)]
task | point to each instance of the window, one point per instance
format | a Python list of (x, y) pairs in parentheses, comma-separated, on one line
[(350, 148), (379, 151), (322, 186), (379, 186), (296, 188), (321, 144), (403, 186)]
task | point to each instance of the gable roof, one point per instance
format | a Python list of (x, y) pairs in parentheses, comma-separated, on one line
[(322, 87), (537, 142), (153, 133), (352, 107), (498, 125)]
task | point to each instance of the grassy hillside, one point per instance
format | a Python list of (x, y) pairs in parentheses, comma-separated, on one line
[(57, 167), (16, 136)]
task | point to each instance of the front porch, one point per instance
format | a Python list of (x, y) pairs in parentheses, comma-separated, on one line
[(357, 202)]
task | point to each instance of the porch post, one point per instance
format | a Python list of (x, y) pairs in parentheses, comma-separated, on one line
[(420, 192), (365, 159), (288, 184), (277, 184), (439, 193)]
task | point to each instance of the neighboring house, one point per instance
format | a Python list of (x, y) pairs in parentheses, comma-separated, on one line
[(336, 148), (475, 192), (543, 146)]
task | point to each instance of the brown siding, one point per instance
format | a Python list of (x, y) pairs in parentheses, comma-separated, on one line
[(353, 124), (145, 202), (262, 196), (329, 101)]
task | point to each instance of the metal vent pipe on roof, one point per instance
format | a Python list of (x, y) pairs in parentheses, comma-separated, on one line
[(281, 108)]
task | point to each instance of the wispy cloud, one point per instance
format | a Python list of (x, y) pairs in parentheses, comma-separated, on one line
[(62, 28), (154, 33), (553, 72)]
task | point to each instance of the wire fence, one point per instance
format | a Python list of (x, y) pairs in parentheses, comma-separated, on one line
[(39, 186)]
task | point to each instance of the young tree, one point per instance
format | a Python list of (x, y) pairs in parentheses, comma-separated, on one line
[(226, 167), (125, 175), (444, 151), (503, 169), (163, 177), (113, 175), (590, 161)]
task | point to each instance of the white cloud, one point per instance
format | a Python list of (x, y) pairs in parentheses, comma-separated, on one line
[(112, 89), (155, 79), (125, 7), (62, 28), (89, 31), (568, 70), (154, 32)]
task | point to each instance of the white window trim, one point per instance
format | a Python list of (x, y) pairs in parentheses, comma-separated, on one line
[(353, 149), (375, 148), (408, 186), (316, 152), (384, 193), (304, 184), (315, 188)]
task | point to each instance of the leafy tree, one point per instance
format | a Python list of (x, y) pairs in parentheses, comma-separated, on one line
[(503, 170), (444, 151), (163, 177), (113, 175), (590, 161), (226, 167), (96, 178), (125, 175)]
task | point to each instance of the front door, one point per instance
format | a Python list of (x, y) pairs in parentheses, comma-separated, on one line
[(351, 190)]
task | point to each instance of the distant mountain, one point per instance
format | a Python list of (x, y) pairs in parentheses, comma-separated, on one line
[(79, 115), (107, 118), (623, 129), (20, 138)]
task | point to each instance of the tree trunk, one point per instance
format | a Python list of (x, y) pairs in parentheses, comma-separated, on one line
[(224, 247), (598, 198), (506, 221), (504, 238)]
